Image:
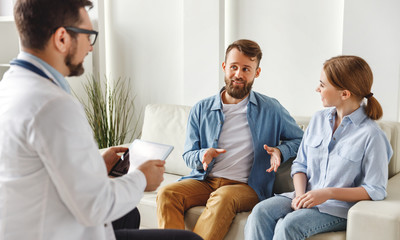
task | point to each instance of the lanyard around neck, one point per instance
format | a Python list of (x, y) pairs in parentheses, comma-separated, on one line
[(30, 67)]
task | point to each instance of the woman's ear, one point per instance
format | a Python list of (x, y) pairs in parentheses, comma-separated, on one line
[(346, 94), (61, 40)]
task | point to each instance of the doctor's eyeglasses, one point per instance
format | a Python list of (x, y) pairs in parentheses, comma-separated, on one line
[(92, 34)]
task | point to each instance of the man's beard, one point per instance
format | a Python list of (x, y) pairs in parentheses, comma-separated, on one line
[(237, 91), (74, 69)]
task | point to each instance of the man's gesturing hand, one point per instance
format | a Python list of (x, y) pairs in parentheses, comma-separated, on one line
[(209, 155), (275, 158)]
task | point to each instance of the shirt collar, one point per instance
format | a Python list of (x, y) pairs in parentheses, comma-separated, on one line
[(355, 117), (57, 77)]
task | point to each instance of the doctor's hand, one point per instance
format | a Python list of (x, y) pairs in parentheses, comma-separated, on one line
[(153, 170), (275, 158), (111, 156), (209, 155)]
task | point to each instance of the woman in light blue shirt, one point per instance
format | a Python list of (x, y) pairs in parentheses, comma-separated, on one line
[(343, 158)]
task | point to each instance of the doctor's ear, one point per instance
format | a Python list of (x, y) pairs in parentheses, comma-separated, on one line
[(61, 39)]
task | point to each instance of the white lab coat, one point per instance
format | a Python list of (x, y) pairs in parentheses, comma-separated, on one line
[(53, 180)]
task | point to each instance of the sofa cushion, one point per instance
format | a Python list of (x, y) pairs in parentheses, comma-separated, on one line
[(392, 130), (164, 123), (147, 206)]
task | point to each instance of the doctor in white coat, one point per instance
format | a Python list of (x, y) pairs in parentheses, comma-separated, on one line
[(53, 180)]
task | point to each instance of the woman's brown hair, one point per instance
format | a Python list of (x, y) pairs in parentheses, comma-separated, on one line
[(354, 74)]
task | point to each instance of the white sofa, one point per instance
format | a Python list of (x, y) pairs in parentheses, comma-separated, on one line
[(165, 123)]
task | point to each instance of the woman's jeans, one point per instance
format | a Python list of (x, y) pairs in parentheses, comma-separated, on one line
[(274, 218)]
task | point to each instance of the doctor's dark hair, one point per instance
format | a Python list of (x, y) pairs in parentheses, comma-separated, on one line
[(37, 20), (353, 73), (248, 48)]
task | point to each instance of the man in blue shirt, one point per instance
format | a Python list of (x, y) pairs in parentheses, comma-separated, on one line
[(235, 142)]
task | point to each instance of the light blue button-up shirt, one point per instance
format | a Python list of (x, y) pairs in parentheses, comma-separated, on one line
[(269, 123), (58, 78), (356, 154)]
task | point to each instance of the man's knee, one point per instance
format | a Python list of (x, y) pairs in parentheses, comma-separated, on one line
[(223, 198), (234, 199), (166, 194)]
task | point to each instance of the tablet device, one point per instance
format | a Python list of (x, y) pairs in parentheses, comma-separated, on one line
[(122, 166), (139, 152)]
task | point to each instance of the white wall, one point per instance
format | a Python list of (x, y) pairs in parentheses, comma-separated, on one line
[(146, 46), (203, 36), (6, 8), (296, 38), (372, 30), (9, 46), (173, 49)]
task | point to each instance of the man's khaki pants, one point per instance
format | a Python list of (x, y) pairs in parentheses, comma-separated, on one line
[(222, 197)]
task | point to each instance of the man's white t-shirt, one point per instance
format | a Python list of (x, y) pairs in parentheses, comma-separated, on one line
[(236, 138)]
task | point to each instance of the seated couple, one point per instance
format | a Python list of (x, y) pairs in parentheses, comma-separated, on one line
[(237, 139)]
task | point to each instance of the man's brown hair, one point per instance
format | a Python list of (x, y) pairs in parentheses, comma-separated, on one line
[(37, 20), (248, 48)]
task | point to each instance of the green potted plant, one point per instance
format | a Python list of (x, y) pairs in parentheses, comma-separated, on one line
[(110, 110)]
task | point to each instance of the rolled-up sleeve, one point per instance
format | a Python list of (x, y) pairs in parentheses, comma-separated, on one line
[(377, 157)]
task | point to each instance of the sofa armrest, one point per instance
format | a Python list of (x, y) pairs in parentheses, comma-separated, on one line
[(377, 219)]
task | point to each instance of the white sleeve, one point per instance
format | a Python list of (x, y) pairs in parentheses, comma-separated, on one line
[(62, 137)]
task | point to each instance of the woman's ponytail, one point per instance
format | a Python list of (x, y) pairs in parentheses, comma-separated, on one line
[(373, 108)]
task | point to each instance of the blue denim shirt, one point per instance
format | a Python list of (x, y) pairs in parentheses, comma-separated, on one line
[(269, 124), (357, 154)]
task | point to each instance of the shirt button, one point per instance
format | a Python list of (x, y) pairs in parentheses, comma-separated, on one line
[(334, 139), (105, 224)]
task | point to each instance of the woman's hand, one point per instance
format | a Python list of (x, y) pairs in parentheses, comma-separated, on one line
[(311, 199), (295, 203)]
